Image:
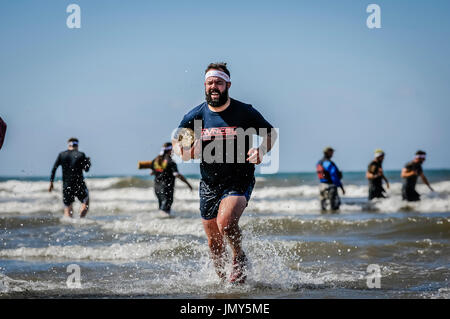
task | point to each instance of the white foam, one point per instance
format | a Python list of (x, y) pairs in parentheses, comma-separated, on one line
[(153, 224), (26, 197), (9, 285), (120, 252), (395, 204)]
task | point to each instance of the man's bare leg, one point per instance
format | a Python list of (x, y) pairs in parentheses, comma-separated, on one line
[(68, 211), (84, 209), (216, 245), (225, 225), (230, 211)]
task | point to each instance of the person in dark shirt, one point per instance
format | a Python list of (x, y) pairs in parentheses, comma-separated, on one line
[(2, 132), (376, 176), (222, 131), (165, 171), (410, 174), (330, 179), (73, 163)]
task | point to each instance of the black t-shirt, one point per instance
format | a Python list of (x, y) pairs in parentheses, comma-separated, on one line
[(73, 163), (374, 168), (164, 172), (226, 140), (411, 181)]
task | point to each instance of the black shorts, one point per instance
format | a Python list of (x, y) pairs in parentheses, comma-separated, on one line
[(164, 193), (212, 195), (376, 191), (410, 194), (79, 190)]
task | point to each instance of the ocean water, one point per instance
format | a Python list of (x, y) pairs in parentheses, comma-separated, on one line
[(126, 248)]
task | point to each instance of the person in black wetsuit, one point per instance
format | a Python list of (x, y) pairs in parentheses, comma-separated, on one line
[(410, 174), (376, 176), (228, 159), (73, 163), (2, 132), (165, 171)]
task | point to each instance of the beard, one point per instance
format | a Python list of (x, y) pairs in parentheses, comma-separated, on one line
[(223, 97)]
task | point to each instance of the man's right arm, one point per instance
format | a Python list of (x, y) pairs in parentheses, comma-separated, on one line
[(370, 175), (186, 153), (406, 173), (184, 143)]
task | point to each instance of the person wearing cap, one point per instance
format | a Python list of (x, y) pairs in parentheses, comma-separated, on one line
[(223, 135), (165, 171), (330, 180), (73, 163), (376, 176), (410, 174)]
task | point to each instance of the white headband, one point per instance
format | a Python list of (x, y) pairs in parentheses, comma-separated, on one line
[(164, 149), (421, 156), (218, 74), (378, 154)]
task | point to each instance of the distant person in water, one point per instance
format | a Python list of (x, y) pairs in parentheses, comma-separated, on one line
[(410, 173), (330, 180), (375, 175), (165, 171), (2, 132), (73, 163)]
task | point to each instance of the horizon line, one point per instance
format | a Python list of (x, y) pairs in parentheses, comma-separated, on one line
[(197, 174)]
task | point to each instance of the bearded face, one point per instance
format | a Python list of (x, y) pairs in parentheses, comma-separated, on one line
[(215, 98), (216, 91)]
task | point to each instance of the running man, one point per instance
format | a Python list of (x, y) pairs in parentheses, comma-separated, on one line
[(165, 171), (330, 179), (73, 163), (227, 166), (410, 173), (375, 175)]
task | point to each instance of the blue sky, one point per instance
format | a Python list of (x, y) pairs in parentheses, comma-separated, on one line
[(124, 80)]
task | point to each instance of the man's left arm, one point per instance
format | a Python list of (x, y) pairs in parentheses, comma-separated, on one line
[(255, 155), (265, 130), (386, 180), (178, 175), (335, 177), (425, 180), (86, 163)]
